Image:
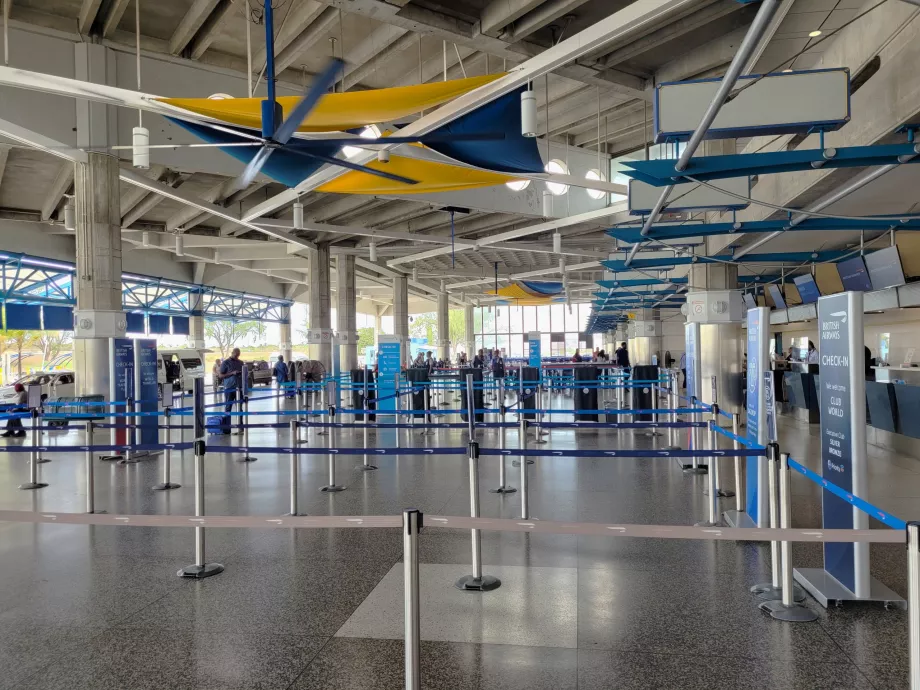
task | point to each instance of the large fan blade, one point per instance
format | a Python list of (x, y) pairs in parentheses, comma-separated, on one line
[(422, 139), (242, 134), (185, 146), (352, 166), (320, 86), (253, 168)]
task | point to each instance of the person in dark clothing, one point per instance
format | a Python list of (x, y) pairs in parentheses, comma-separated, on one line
[(622, 355), (280, 371), (870, 372), (231, 374), (498, 365), (479, 361), (577, 357), (14, 426)]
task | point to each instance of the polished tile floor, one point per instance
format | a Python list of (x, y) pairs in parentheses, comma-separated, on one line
[(101, 607)]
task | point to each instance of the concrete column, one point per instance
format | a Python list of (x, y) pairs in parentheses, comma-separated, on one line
[(443, 324), (401, 311), (468, 335), (98, 315), (378, 323), (285, 347), (320, 311), (346, 314), (196, 320), (645, 338)]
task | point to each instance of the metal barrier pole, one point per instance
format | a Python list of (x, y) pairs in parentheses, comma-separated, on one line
[(786, 609), (772, 590), (332, 487), (522, 443), (538, 429), (244, 407), (714, 517), (39, 422), (201, 567), (33, 482), (412, 524), (470, 408), (477, 582), (295, 470), (90, 471), (503, 488), (740, 488), (426, 395), (913, 601), (366, 466), (167, 482), (671, 401)]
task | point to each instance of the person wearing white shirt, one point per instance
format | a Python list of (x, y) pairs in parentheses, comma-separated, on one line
[(812, 353)]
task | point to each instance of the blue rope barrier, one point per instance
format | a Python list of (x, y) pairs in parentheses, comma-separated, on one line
[(619, 425), (338, 451), (536, 452), (849, 497), (83, 449), (740, 439)]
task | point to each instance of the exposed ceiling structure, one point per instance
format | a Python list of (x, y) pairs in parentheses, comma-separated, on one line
[(598, 103)]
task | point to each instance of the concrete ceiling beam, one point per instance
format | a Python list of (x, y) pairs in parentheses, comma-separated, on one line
[(4, 156), (300, 16), (112, 16), (327, 19), (500, 13), (546, 13), (364, 58), (210, 30), (191, 22), (61, 185), (88, 11)]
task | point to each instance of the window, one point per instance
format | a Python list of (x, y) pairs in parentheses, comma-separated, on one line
[(543, 320), (884, 347), (518, 185), (530, 319), (369, 132), (557, 167), (517, 325), (593, 176)]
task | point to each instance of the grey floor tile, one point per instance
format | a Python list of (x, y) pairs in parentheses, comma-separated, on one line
[(533, 607), (642, 671), (868, 633), (27, 648), (364, 664), (887, 677), (500, 548)]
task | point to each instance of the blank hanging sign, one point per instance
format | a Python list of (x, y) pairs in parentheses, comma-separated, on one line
[(691, 196), (783, 103)]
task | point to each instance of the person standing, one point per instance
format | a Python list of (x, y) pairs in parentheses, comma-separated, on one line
[(280, 371), (498, 366), (231, 374), (812, 353), (622, 355), (683, 367), (215, 374), (14, 425), (479, 360), (576, 358)]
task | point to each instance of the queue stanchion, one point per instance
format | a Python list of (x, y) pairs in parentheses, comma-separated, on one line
[(525, 495), (201, 568), (695, 444), (39, 422), (320, 431), (332, 487), (427, 431), (90, 471), (412, 525), (167, 482), (295, 468), (477, 582), (538, 427), (913, 602), (671, 402), (33, 482), (786, 609), (740, 488), (129, 457), (503, 488), (714, 516), (366, 466), (244, 405)]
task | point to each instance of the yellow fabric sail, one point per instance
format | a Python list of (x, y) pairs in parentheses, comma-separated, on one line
[(431, 176), (520, 296), (337, 112)]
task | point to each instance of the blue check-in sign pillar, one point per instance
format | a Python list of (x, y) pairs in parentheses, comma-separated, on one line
[(845, 575), (533, 349), (389, 367)]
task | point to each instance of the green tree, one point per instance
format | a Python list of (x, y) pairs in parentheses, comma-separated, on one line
[(52, 342), (457, 327), (365, 338), (226, 333), (19, 341), (424, 326)]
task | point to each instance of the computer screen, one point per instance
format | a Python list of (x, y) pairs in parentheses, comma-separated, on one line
[(853, 274), (808, 288), (777, 296), (884, 268), (749, 300)]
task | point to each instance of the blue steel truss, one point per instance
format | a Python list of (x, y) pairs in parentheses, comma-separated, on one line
[(26, 279)]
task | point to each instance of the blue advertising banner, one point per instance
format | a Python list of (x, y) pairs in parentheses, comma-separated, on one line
[(843, 443), (145, 363), (692, 339), (534, 357), (121, 385), (758, 320), (389, 366)]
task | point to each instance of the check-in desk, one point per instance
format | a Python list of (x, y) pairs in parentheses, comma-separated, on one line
[(902, 385), (802, 386)]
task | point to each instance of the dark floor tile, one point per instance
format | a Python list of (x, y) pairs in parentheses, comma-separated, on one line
[(868, 633), (887, 677), (362, 664), (26, 648), (641, 671), (500, 548)]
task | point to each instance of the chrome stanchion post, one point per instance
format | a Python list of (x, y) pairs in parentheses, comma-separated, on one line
[(671, 416), (714, 517), (90, 471), (39, 422), (786, 609), (332, 487), (412, 524), (244, 408), (695, 445), (426, 395), (740, 488), (201, 567), (538, 427), (167, 482), (502, 487), (470, 409), (33, 482), (477, 582), (913, 601), (522, 443), (295, 468)]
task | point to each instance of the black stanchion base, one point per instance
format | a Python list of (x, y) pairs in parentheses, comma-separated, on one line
[(706, 523), (486, 583), (98, 512), (129, 461), (672, 448), (199, 572), (690, 469), (247, 458), (517, 463), (32, 485), (792, 614), (768, 592), (41, 461), (166, 486), (503, 490), (726, 493), (366, 468), (111, 458), (332, 488)]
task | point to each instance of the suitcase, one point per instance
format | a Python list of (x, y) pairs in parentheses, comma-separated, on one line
[(218, 425)]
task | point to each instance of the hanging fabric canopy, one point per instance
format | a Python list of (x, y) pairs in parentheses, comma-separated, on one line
[(339, 112), (530, 293)]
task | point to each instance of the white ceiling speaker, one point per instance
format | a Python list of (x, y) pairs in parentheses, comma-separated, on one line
[(373, 252), (528, 114), (70, 215), (557, 241), (383, 156), (547, 204), (298, 215), (140, 141), (180, 245)]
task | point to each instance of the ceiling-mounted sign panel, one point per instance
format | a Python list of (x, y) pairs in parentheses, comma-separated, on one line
[(690, 196), (776, 104)]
